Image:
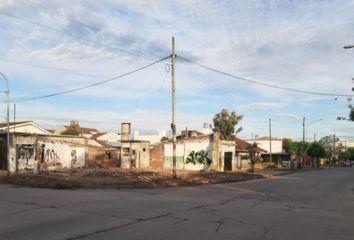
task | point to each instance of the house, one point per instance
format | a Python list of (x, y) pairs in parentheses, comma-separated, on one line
[(195, 151), (278, 153), (24, 127), (38, 150), (84, 132), (41, 152), (134, 153), (242, 153)]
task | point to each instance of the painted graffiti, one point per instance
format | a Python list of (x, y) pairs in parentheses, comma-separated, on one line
[(62, 155), (25, 156), (51, 158)]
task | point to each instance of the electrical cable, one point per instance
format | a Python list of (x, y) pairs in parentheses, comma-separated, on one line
[(263, 83), (89, 85)]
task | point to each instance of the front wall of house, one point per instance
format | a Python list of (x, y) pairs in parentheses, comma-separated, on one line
[(184, 150), (110, 137), (22, 153), (28, 129), (61, 155)]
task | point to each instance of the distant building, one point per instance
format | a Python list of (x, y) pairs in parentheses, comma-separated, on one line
[(152, 138), (207, 129), (264, 143), (109, 137), (278, 152), (84, 132)]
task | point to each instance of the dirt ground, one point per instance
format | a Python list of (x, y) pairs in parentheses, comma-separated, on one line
[(120, 178)]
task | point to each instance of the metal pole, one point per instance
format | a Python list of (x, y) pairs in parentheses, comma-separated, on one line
[(303, 129), (270, 140), (14, 118), (7, 119), (173, 125)]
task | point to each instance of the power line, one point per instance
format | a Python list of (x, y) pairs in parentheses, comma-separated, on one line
[(88, 86), (262, 83), (68, 34), (55, 68), (32, 4)]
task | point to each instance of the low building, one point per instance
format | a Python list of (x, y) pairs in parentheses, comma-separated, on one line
[(277, 148), (135, 154), (37, 152), (242, 153), (195, 152), (83, 132)]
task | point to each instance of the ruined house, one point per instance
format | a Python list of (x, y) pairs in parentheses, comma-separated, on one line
[(195, 151)]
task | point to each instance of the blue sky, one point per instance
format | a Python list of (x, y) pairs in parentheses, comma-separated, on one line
[(295, 44)]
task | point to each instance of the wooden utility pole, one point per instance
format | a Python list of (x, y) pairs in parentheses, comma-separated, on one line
[(270, 140), (173, 124), (303, 129)]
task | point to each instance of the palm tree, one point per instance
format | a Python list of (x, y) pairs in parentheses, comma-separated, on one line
[(252, 148)]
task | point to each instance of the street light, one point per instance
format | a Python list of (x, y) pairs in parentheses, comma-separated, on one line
[(8, 118), (313, 121)]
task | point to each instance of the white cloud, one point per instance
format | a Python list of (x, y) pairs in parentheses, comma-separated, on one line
[(287, 43)]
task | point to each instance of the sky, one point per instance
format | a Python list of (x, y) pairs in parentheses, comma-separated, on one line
[(50, 46)]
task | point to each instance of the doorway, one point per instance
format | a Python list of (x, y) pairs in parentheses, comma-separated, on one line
[(227, 161)]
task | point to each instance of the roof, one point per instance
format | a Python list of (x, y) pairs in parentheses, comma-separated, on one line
[(242, 145), (97, 135), (13, 123), (265, 138), (51, 130)]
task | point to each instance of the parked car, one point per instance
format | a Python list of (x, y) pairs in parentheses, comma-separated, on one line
[(347, 163)]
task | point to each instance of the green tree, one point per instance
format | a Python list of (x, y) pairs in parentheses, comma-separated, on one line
[(252, 148), (290, 148), (315, 151), (300, 150), (225, 123), (347, 154)]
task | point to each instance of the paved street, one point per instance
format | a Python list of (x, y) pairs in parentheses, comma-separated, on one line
[(311, 205)]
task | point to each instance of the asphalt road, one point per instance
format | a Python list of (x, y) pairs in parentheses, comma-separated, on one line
[(311, 205)]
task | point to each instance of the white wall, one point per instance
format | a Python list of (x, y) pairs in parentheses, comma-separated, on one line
[(27, 128), (277, 145), (110, 137), (61, 155), (182, 152), (152, 138)]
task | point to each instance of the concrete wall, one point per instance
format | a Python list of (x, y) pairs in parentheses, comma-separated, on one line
[(22, 152), (157, 156), (56, 155), (228, 146), (184, 149), (103, 157), (28, 151), (135, 154)]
